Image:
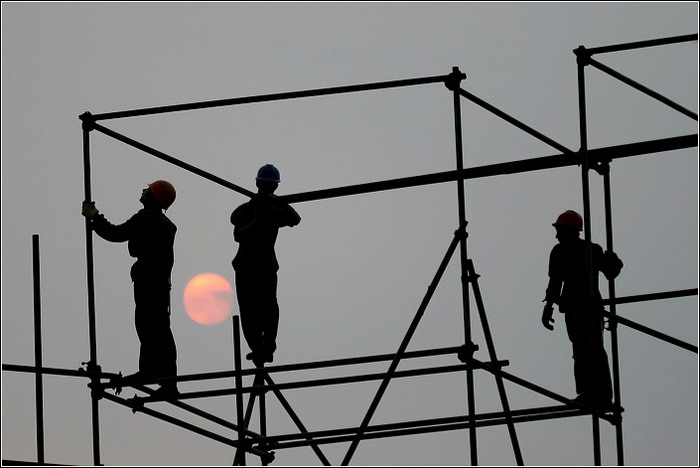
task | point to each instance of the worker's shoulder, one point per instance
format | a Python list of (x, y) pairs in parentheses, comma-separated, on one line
[(153, 216), (242, 210)]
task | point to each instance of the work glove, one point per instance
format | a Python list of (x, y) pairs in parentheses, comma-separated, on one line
[(547, 319), (89, 210), (613, 265)]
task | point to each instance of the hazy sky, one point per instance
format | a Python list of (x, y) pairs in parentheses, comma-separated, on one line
[(354, 272)]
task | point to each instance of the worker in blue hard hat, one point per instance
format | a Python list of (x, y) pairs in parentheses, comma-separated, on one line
[(255, 227), (581, 303)]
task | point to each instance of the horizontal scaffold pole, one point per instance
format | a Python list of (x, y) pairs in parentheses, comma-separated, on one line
[(454, 350), (51, 371), (653, 296), (642, 44), (333, 381), (423, 426), (272, 97), (311, 365), (651, 332), (514, 167), (647, 330), (536, 388)]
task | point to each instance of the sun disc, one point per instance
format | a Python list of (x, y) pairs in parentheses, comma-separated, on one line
[(208, 299)]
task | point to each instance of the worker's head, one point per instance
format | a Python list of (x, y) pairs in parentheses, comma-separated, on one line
[(568, 225), (161, 193), (268, 179)]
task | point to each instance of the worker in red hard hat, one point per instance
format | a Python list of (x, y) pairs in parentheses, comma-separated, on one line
[(255, 228), (581, 306), (150, 236)]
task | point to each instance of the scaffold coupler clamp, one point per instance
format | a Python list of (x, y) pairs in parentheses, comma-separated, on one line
[(269, 455), (454, 79), (259, 388), (583, 56), (93, 371), (601, 166), (88, 121), (616, 416), (470, 277), (466, 352), (136, 404), (461, 232), (116, 382)]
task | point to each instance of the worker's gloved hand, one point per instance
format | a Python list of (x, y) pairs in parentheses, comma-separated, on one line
[(547, 319), (89, 210)]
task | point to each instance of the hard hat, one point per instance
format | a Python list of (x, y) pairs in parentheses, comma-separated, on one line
[(268, 173), (164, 193), (571, 219)]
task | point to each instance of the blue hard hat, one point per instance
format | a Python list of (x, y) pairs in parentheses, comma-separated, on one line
[(268, 173)]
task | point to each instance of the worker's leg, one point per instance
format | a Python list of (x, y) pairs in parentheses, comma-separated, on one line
[(247, 294), (158, 353), (271, 315), (591, 368), (578, 347)]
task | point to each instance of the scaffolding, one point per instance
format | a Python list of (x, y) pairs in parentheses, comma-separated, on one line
[(263, 445)]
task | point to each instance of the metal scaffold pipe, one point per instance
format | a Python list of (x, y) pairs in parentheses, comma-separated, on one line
[(273, 97), (38, 377), (92, 366), (507, 168), (642, 44)]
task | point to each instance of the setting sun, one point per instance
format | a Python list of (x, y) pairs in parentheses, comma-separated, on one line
[(208, 299)]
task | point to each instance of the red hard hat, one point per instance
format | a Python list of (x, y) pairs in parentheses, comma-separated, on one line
[(571, 219), (164, 192)]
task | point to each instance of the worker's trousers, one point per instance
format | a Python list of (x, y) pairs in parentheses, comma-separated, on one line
[(591, 368), (158, 354), (256, 292)]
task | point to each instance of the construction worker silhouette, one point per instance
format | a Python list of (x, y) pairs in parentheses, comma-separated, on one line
[(150, 236), (255, 228), (581, 306)]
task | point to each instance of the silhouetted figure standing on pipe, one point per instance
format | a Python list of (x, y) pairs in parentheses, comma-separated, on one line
[(584, 323), (255, 227), (150, 236)]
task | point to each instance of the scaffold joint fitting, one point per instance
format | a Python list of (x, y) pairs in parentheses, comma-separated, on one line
[(466, 352), (88, 121), (583, 56), (268, 458), (454, 79), (461, 232)]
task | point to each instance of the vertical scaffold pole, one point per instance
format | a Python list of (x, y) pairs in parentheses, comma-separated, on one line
[(453, 84), (582, 60), (93, 368), (240, 453), (38, 361), (617, 395), (263, 413)]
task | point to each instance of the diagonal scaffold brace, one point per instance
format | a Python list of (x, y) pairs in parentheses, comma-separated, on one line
[(459, 235)]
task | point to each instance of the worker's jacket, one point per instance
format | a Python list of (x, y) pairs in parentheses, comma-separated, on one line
[(151, 236), (256, 225), (567, 274)]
